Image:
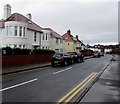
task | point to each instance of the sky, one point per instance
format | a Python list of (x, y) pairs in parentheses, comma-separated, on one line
[(94, 21)]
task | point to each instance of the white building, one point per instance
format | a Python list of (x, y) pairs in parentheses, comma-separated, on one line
[(57, 41), (19, 31)]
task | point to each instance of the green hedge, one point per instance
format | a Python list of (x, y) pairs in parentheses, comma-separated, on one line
[(41, 51), (18, 51)]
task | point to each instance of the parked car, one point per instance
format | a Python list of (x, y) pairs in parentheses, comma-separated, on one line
[(96, 54), (61, 59), (77, 56), (101, 53)]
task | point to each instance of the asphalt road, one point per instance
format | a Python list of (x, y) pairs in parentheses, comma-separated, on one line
[(49, 84)]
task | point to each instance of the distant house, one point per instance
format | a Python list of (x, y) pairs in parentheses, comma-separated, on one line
[(18, 31), (72, 43)]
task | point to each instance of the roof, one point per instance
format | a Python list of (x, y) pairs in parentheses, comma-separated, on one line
[(30, 24), (53, 33), (69, 37)]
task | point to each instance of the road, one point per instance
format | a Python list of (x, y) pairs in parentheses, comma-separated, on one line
[(49, 84)]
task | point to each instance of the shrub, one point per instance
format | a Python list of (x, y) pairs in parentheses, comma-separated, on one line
[(18, 51), (42, 51), (7, 51)]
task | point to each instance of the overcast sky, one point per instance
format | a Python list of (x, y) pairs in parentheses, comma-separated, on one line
[(95, 22)]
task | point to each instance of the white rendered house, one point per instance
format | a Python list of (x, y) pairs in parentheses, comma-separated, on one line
[(18, 31), (57, 42)]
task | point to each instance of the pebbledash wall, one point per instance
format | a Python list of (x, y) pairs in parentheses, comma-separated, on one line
[(18, 60)]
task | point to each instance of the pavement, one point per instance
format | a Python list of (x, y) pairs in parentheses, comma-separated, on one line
[(9, 70), (106, 89)]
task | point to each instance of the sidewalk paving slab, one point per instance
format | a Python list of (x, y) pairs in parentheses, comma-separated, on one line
[(106, 89), (15, 69)]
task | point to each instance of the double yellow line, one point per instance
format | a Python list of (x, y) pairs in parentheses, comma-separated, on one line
[(69, 96)]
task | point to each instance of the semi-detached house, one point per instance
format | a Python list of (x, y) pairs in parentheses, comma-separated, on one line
[(72, 44), (19, 31)]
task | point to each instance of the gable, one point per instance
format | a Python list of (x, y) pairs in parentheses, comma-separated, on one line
[(67, 37)]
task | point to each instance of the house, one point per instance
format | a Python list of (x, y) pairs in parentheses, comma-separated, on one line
[(57, 41), (72, 43), (18, 31)]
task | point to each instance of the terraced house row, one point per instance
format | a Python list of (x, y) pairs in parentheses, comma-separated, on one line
[(18, 31)]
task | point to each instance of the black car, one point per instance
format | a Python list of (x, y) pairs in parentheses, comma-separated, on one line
[(61, 59), (77, 56)]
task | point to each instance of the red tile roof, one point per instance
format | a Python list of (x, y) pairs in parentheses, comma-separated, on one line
[(53, 33), (30, 24), (67, 37)]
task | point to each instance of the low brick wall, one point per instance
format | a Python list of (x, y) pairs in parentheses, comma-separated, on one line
[(17, 60)]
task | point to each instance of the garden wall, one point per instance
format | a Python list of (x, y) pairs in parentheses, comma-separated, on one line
[(18, 60)]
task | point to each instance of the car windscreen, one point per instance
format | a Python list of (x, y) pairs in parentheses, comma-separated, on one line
[(57, 54)]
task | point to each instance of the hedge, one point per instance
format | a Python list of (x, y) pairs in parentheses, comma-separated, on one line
[(18, 51)]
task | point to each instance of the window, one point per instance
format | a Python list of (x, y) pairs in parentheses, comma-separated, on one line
[(15, 46), (43, 36), (35, 37), (57, 40), (10, 30), (20, 46), (61, 41), (24, 32), (23, 46), (46, 36), (7, 30), (20, 31), (15, 30)]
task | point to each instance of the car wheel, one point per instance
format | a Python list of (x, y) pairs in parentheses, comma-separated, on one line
[(72, 62), (79, 60), (83, 60), (65, 62), (52, 64)]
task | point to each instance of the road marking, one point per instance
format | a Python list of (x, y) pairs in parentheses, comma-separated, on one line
[(20, 84), (78, 90), (79, 87), (62, 70)]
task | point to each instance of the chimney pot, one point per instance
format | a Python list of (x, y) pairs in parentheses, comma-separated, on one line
[(76, 36), (29, 16), (69, 32)]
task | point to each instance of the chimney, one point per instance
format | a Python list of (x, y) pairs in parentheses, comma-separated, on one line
[(69, 32), (29, 16), (77, 37), (7, 11)]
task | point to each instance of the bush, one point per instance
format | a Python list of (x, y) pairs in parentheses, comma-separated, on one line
[(87, 52), (7, 51), (42, 51), (18, 51)]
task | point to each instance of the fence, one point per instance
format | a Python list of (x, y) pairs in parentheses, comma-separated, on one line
[(17, 60)]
